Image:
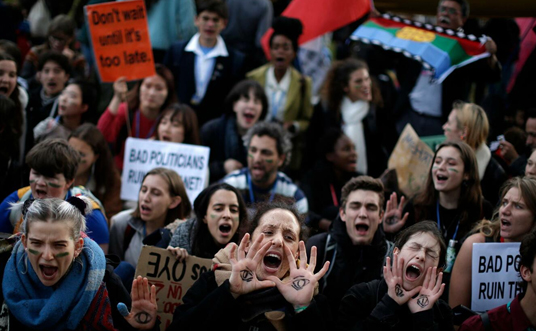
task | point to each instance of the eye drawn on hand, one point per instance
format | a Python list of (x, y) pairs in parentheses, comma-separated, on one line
[(423, 301), (142, 318), (300, 283), (246, 275), (398, 291)]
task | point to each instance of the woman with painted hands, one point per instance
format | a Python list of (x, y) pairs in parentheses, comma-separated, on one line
[(264, 283), (57, 278), (408, 297), (515, 218), (220, 213)]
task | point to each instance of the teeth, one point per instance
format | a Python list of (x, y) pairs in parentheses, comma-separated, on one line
[(274, 256)]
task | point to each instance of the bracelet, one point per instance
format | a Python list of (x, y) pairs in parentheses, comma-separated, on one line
[(299, 309)]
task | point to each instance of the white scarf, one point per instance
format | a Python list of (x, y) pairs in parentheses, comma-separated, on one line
[(483, 156), (353, 114)]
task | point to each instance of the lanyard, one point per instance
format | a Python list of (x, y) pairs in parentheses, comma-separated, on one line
[(275, 107), (252, 196), (333, 195), (439, 223), (137, 124)]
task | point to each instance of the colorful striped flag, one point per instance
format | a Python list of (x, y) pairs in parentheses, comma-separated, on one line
[(439, 50)]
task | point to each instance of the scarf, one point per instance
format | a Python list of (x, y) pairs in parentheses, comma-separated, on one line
[(268, 301), (483, 156), (353, 114), (48, 308)]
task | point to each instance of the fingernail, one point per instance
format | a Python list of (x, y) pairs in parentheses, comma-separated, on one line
[(123, 310)]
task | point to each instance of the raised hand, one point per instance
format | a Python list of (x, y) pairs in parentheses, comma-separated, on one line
[(431, 291), (180, 253), (298, 288), (394, 277), (244, 266), (392, 219), (143, 313)]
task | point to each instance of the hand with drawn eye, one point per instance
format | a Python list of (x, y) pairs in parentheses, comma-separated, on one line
[(143, 313), (392, 219), (394, 277), (244, 266), (298, 288), (431, 291)]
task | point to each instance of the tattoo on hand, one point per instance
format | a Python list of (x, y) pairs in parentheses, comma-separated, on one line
[(423, 301), (142, 318), (391, 220), (398, 291), (300, 283), (246, 275)]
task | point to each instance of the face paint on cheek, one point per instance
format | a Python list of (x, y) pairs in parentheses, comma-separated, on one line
[(453, 170), (213, 216), (269, 161), (32, 181), (434, 167), (236, 219), (250, 155), (448, 130), (33, 251), (53, 185), (62, 254)]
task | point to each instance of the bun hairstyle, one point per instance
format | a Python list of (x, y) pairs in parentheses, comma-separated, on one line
[(72, 210), (289, 27)]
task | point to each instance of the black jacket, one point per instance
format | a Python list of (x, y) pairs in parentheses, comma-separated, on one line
[(208, 306), (367, 306), (351, 264), (227, 72)]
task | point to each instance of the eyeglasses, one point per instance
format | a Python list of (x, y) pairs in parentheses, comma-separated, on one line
[(450, 10)]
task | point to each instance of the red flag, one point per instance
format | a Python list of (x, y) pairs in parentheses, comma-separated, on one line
[(320, 16)]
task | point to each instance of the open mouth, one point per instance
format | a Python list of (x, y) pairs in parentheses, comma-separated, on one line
[(444, 20), (249, 116), (40, 193), (505, 223), (441, 178), (3, 90), (272, 261), (144, 209), (165, 138), (225, 228), (412, 272), (48, 271), (362, 228)]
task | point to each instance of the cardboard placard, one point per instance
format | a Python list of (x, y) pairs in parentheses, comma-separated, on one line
[(120, 40), (411, 158), (171, 278), (142, 155), (495, 277)]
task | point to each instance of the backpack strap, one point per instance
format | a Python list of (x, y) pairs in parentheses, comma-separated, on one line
[(129, 233), (486, 322), (330, 253)]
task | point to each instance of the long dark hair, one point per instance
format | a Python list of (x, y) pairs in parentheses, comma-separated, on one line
[(203, 245), (106, 172), (17, 123), (470, 194), (189, 121)]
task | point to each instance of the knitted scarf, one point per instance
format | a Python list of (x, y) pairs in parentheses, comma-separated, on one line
[(49, 308)]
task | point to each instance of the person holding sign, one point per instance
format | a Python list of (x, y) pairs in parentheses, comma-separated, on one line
[(408, 298), (451, 197), (520, 313), (516, 217), (57, 278), (264, 283), (220, 212), (134, 113), (162, 200)]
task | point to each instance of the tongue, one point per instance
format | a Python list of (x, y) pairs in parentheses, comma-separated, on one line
[(412, 274), (49, 271)]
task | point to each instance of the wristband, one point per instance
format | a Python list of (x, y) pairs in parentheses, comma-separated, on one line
[(299, 309)]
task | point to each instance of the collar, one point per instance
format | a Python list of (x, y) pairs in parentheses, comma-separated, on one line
[(272, 84), (218, 50)]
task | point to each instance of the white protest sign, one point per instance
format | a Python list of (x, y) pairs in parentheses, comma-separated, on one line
[(142, 155), (495, 278)]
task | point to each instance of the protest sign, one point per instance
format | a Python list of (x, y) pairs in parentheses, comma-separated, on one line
[(411, 158), (142, 155), (120, 40), (171, 278), (495, 277)]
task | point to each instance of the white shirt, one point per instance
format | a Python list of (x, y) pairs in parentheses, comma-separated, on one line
[(277, 94), (204, 64)]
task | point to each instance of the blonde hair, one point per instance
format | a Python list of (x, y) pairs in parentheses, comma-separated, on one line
[(474, 118)]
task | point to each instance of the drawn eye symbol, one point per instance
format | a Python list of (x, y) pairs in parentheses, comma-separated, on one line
[(298, 284)]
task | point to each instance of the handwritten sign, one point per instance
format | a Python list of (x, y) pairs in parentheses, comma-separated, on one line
[(171, 278), (142, 155), (120, 40), (411, 158), (495, 277)]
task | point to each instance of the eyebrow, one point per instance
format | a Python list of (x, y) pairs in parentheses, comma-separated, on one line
[(427, 249)]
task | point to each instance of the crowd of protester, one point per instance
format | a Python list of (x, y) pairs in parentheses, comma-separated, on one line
[(300, 214)]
